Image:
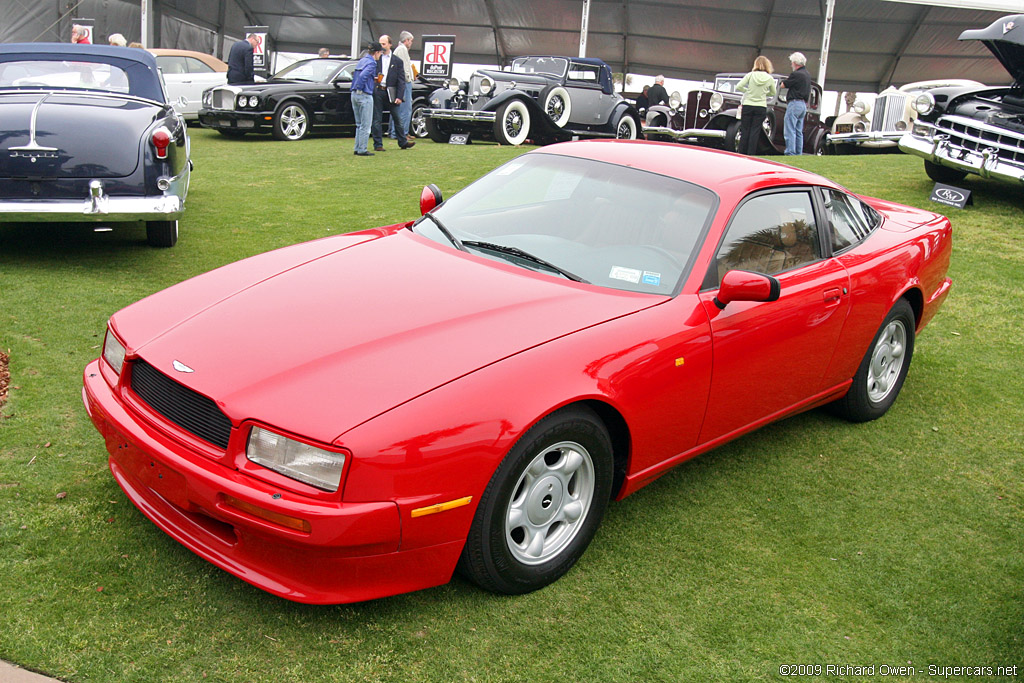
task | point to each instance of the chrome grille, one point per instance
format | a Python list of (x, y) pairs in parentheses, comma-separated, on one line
[(975, 136), (889, 111), (193, 412), (224, 99)]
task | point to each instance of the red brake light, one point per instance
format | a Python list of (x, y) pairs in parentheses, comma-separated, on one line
[(161, 141)]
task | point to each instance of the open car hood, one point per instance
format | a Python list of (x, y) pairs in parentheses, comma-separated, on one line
[(321, 337), (1005, 38)]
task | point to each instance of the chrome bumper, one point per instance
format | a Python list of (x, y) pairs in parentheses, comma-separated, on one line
[(461, 115), (861, 138), (939, 147), (688, 134)]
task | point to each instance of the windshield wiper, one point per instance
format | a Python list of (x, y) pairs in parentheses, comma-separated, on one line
[(444, 231), (516, 251)]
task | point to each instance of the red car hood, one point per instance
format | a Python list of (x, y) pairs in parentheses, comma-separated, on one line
[(318, 338)]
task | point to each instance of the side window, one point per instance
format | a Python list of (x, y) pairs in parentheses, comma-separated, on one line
[(583, 72), (170, 64), (769, 234), (849, 219), (196, 66)]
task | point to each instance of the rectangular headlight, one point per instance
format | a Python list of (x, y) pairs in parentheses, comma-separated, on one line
[(294, 459), (113, 352)]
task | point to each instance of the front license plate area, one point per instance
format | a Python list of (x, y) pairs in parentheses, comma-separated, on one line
[(153, 474)]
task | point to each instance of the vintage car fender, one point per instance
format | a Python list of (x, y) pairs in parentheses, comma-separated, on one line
[(539, 120)]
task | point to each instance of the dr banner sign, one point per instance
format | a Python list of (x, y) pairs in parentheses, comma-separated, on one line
[(437, 56), (260, 53), (951, 196)]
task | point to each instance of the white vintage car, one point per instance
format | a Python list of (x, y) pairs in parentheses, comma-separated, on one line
[(186, 75), (880, 125)]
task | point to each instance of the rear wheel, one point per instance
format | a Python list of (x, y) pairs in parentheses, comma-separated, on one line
[(512, 126), (626, 128), (291, 122), (557, 106), (542, 506), (162, 233), (883, 370), (941, 174)]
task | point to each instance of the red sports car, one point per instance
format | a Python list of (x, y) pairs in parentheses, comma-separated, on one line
[(361, 415)]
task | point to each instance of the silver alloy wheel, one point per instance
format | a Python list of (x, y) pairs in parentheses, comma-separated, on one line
[(418, 123), (886, 361), (550, 503), (293, 122)]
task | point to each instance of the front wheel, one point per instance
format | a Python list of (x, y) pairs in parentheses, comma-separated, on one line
[(883, 370), (291, 122), (512, 125), (942, 174), (626, 128), (418, 122), (436, 131), (163, 234), (542, 506), (733, 138)]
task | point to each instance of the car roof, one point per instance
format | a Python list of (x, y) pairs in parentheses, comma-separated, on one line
[(722, 172), (209, 60)]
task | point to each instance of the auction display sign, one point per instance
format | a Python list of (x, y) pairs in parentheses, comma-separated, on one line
[(260, 53), (437, 56)]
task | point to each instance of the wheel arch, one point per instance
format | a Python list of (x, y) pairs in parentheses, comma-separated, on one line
[(915, 298), (618, 430)]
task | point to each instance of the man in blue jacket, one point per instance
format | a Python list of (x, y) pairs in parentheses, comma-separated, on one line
[(240, 68), (364, 82)]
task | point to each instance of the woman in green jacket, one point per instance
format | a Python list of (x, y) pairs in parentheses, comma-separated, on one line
[(757, 86)]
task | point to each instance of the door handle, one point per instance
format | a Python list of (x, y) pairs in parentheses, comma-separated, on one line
[(832, 295)]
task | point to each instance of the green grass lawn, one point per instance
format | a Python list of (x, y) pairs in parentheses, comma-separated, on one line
[(812, 541)]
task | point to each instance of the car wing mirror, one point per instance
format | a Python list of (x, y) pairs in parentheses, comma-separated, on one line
[(430, 198), (743, 285)]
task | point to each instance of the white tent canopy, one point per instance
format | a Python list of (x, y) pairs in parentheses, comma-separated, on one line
[(873, 43)]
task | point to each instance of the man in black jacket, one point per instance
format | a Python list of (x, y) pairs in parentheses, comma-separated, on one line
[(799, 84), (657, 94), (240, 68), (388, 94)]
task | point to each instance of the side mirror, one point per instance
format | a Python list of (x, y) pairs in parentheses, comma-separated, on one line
[(743, 285), (430, 198)]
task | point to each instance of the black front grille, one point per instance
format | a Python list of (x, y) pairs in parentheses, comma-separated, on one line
[(189, 410)]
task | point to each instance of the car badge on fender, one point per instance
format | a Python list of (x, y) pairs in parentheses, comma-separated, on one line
[(1008, 26), (181, 367)]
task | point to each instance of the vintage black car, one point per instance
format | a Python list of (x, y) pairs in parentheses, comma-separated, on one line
[(309, 95), (544, 99), (710, 117), (975, 130), (88, 135)]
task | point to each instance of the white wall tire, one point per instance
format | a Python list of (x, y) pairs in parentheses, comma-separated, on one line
[(626, 128), (558, 106), (512, 127)]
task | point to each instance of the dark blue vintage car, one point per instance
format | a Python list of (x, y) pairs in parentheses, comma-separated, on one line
[(543, 99), (88, 135)]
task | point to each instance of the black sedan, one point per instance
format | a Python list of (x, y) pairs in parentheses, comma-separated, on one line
[(88, 135), (313, 94)]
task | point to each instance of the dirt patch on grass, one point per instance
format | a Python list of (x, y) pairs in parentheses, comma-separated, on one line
[(5, 378)]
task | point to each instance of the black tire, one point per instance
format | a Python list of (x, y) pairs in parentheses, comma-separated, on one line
[(417, 122), (436, 131), (818, 148), (733, 137), (162, 234), (291, 121), (230, 133), (512, 126), (883, 370), (524, 534), (942, 174)]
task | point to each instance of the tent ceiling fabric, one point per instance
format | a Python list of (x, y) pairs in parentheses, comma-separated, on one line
[(874, 43)]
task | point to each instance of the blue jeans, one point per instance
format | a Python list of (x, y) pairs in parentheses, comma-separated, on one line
[(404, 114), (793, 127), (362, 107)]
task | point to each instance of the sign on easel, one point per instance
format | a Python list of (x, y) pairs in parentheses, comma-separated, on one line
[(437, 56), (260, 53), (951, 196)]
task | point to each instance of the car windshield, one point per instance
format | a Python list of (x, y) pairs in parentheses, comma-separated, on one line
[(52, 74), (727, 83), (318, 70), (553, 66), (586, 220)]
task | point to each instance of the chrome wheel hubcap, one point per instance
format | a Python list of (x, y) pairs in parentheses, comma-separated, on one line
[(550, 503), (886, 361), (293, 122)]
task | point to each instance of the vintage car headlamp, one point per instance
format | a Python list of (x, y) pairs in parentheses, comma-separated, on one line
[(113, 351), (294, 459), (486, 86), (716, 101), (453, 84), (861, 108), (241, 101), (253, 101), (924, 103), (901, 125), (674, 100)]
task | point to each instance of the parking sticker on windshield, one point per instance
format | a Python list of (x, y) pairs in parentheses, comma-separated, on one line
[(626, 274), (652, 278)]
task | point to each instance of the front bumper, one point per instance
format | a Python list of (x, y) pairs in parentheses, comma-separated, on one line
[(469, 115), (693, 134), (968, 145), (868, 139), (241, 121), (350, 553)]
